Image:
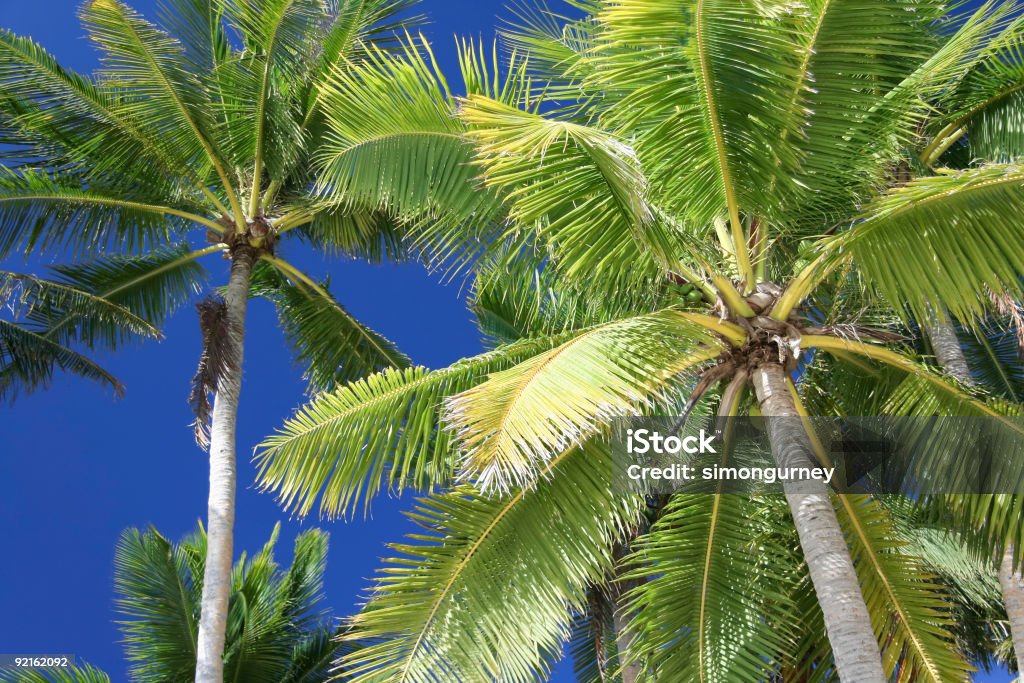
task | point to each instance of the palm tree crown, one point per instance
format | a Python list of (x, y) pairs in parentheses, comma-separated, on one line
[(779, 159)]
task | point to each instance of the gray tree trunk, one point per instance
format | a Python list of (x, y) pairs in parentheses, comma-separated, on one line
[(221, 507), (623, 642), (950, 356), (847, 622), (948, 352), (1012, 583)]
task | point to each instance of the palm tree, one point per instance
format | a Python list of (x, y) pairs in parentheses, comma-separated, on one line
[(205, 122), (277, 630), (702, 142)]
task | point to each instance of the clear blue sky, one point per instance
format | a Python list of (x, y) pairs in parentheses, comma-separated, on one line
[(78, 467)]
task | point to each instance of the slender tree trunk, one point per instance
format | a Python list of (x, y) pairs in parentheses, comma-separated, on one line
[(854, 646), (948, 352), (623, 642), (1012, 583), (221, 508), (950, 356)]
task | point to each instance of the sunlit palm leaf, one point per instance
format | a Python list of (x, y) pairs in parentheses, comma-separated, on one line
[(76, 674), (937, 241), (406, 154), (474, 598), (377, 432), (704, 547), (510, 424), (579, 186)]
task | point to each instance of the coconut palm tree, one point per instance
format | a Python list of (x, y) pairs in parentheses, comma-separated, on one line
[(204, 122), (484, 610), (277, 629), (701, 142)]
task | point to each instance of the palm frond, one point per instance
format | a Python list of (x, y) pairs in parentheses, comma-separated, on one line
[(910, 607), (159, 594), (59, 117), (151, 287), (712, 89), (592, 645), (200, 27), (43, 302), (28, 360), (166, 98), (40, 212), (516, 295), (704, 547), (988, 105), (407, 154), (334, 346), (473, 598), (580, 187), (345, 446), (509, 425), (554, 46), (852, 54), (356, 232), (282, 35), (937, 241), (84, 673), (276, 626)]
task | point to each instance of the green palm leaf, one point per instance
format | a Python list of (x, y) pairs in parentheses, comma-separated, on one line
[(333, 345), (276, 626), (511, 423), (909, 606), (407, 154), (38, 211), (690, 621), (712, 89), (474, 598), (988, 103), (61, 117), (377, 431), (28, 360), (580, 187), (55, 305), (77, 674), (151, 287), (165, 96), (937, 241)]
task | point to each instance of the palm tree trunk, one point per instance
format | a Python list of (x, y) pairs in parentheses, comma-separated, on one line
[(854, 646), (623, 642), (950, 356), (221, 508), (947, 350), (1011, 581)]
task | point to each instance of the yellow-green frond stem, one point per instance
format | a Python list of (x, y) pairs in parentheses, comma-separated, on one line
[(897, 360), (804, 283), (734, 301), (735, 334)]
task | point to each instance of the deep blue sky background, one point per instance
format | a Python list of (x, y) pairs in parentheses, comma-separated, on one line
[(78, 467)]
